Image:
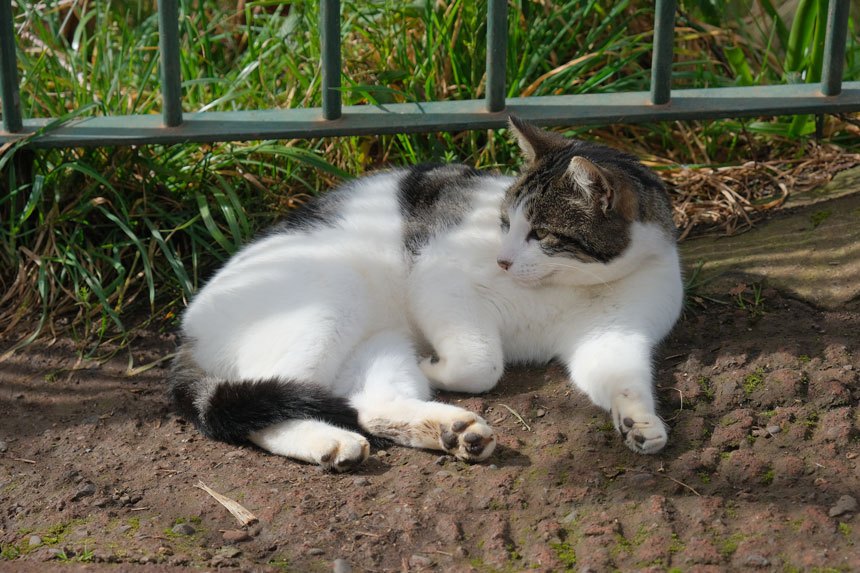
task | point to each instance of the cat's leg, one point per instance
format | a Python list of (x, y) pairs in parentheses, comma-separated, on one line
[(393, 401), (614, 370), (462, 330), (315, 442)]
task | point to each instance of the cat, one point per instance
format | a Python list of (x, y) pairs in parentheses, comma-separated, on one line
[(341, 322)]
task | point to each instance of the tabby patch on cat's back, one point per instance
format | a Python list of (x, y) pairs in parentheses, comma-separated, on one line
[(340, 323)]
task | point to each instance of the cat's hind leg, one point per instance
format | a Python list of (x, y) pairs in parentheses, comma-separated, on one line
[(315, 442), (393, 401), (614, 369)]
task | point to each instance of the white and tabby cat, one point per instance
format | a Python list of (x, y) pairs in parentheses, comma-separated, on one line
[(343, 320)]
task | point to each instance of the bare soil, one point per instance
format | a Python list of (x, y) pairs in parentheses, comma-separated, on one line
[(762, 469)]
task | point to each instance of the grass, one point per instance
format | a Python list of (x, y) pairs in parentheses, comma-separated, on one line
[(100, 242)]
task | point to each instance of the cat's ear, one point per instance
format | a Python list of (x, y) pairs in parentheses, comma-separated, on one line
[(603, 190), (534, 141)]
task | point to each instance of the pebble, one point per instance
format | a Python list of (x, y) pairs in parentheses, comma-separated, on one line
[(235, 535), (183, 529), (381, 453), (3, 446), (845, 504), (540, 413), (86, 490), (315, 551), (569, 518), (342, 566), (420, 561), (229, 552), (443, 474), (123, 529), (34, 540), (756, 560), (494, 467), (362, 481), (773, 430)]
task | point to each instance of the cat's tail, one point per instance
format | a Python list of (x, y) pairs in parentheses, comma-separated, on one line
[(229, 411)]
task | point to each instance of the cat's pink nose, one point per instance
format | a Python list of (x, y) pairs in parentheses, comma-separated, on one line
[(505, 264)]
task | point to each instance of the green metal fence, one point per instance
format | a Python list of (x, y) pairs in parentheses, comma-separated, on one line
[(332, 119)]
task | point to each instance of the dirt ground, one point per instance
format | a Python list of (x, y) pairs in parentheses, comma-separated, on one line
[(762, 469)]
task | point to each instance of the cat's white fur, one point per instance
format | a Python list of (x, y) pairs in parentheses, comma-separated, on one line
[(342, 307)]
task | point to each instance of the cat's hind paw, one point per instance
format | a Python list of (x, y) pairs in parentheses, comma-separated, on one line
[(344, 452), (642, 433), (469, 438)]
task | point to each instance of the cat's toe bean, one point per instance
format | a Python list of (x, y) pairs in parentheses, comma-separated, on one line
[(449, 440), (475, 440)]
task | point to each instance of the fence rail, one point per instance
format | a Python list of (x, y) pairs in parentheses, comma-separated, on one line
[(333, 119)]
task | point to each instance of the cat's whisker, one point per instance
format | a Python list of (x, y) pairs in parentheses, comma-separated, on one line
[(580, 269)]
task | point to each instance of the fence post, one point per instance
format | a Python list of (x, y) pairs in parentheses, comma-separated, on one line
[(497, 43), (661, 61), (331, 62), (171, 82), (834, 48), (9, 90)]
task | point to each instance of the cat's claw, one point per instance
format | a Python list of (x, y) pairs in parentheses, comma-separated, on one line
[(642, 433), (469, 439), (345, 453)]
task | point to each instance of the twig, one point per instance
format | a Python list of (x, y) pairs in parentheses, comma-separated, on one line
[(239, 512), (26, 461), (520, 418), (668, 477)]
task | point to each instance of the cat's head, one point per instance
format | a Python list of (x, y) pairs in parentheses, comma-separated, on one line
[(569, 216)]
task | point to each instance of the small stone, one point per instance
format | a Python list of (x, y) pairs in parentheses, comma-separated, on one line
[(540, 413), (569, 518), (443, 474), (183, 529), (361, 481), (494, 467), (123, 529), (756, 560), (228, 552), (342, 566), (86, 490), (3, 446), (845, 504), (315, 551), (420, 561), (382, 453), (235, 535), (34, 540), (773, 430)]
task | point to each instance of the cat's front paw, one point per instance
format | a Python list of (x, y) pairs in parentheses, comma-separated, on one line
[(643, 433), (345, 452), (468, 438)]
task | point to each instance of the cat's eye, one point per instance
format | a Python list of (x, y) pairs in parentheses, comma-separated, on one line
[(539, 233), (505, 224)]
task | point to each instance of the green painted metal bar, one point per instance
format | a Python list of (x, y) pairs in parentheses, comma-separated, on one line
[(497, 44), (661, 59), (331, 64), (583, 109), (171, 81), (834, 48), (9, 71)]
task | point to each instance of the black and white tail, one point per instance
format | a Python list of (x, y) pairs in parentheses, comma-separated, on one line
[(230, 411)]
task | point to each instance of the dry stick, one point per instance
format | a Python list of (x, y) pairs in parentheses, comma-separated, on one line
[(520, 418), (239, 512), (668, 477)]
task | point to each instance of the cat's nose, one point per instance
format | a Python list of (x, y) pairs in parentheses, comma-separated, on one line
[(504, 263)]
